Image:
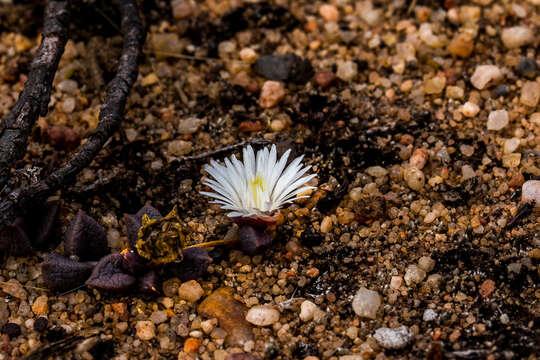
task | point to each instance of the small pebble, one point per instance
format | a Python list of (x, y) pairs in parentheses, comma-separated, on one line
[(347, 70), (530, 192), (179, 147), (326, 224), (418, 159), (393, 339), (272, 92), (530, 94), (41, 324), (68, 86), (470, 109), (191, 345), (68, 105), (131, 134), (517, 36), (145, 330), (208, 325), (466, 150), (501, 90), (181, 9), (429, 315), (376, 171), (435, 85), (248, 55), (310, 311), (329, 12), (189, 125), (325, 78), (40, 305), (455, 92), (415, 178), (426, 263), (14, 288), (487, 287), (159, 317), (467, 172), (434, 281), (414, 275), (396, 282), (484, 75), (511, 160), (170, 287), (366, 303), (511, 145), (190, 291), (527, 67), (262, 315), (11, 329), (461, 45), (286, 68), (497, 120), (150, 79)]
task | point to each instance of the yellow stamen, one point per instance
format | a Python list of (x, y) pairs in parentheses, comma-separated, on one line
[(256, 183)]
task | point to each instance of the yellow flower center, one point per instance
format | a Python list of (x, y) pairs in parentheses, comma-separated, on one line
[(256, 183)]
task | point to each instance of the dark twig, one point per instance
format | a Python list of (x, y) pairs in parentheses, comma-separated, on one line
[(34, 99), (109, 118), (523, 211), (225, 149), (58, 347)]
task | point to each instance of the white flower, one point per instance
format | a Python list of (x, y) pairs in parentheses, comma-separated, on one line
[(259, 185)]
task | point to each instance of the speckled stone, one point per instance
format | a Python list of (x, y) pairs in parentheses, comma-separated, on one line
[(366, 303)]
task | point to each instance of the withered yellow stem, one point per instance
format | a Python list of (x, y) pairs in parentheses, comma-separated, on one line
[(211, 244)]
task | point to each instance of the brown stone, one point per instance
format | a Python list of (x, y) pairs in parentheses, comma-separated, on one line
[(191, 345), (231, 315), (487, 288), (14, 288), (462, 45), (121, 310), (243, 356), (516, 181), (325, 78), (250, 126), (40, 305)]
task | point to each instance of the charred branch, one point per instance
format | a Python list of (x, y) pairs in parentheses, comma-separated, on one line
[(19, 201), (34, 98)]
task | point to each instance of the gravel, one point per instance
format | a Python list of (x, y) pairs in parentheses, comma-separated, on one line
[(393, 339), (422, 126)]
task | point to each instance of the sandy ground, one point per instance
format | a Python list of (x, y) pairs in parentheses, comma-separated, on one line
[(421, 122)]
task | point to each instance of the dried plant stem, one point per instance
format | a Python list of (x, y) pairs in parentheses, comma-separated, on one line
[(34, 99), (225, 149), (212, 244), (18, 202)]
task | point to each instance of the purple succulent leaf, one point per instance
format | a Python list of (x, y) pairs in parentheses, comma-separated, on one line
[(14, 240), (253, 240), (61, 274), (149, 283), (109, 275), (133, 263), (41, 223), (85, 238), (192, 267)]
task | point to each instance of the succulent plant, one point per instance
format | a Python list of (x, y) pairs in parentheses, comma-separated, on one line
[(85, 238)]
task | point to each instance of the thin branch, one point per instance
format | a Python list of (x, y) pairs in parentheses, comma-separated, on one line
[(34, 98), (109, 119), (228, 148), (189, 57)]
